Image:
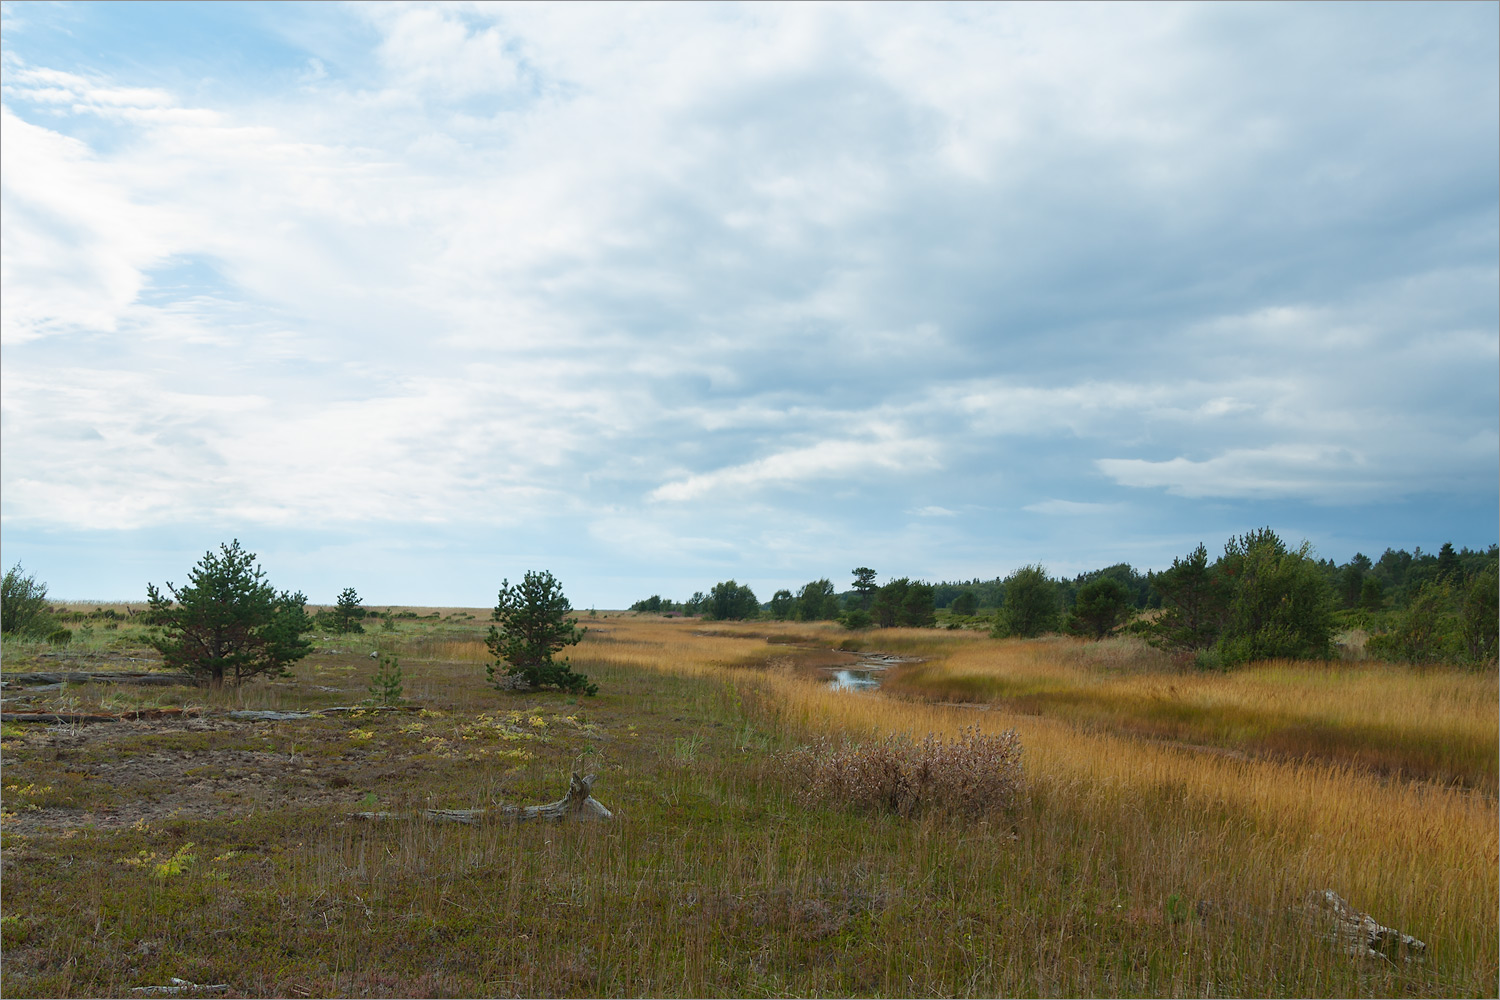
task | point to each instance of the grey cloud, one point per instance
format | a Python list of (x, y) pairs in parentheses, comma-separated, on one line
[(842, 272)]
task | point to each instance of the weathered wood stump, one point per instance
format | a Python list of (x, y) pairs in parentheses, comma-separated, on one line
[(578, 804)]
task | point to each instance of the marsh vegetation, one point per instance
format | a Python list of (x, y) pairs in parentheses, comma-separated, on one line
[(1163, 830)]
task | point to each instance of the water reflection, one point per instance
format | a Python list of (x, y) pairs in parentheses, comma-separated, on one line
[(855, 680)]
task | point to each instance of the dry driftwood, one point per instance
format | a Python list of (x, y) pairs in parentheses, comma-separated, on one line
[(170, 713), (55, 717), (267, 715), (1360, 934), (83, 677), (579, 804), (76, 717), (181, 986)]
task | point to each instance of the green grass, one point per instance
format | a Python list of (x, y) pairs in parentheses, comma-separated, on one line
[(714, 880)]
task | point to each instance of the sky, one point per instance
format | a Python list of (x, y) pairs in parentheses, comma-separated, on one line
[(418, 297)]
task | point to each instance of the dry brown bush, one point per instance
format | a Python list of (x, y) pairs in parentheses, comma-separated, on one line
[(973, 774)]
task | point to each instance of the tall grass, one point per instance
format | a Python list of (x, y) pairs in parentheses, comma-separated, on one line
[(1422, 856), (1435, 724), (1256, 832)]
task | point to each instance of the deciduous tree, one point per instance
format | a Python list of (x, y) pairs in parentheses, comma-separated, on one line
[(730, 601), (817, 602), (1030, 606)]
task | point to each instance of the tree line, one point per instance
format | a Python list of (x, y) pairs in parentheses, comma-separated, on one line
[(1259, 599)]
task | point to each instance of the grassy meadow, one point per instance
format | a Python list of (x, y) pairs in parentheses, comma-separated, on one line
[(1173, 825)]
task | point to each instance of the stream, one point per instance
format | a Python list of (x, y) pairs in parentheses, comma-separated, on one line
[(865, 675)]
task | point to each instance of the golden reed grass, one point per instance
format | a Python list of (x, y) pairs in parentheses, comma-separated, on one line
[(1438, 724), (1413, 852)]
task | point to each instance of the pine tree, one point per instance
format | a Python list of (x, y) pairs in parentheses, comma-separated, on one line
[(532, 624), (864, 585), (228, 622), (1102, 604), (347, 611)]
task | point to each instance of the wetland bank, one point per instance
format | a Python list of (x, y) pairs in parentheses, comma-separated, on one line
[(187, 842)]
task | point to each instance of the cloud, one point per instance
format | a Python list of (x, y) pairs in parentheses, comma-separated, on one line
[(932, 510), (843, 267), (823, 461), (1309, 471), (76, 241)]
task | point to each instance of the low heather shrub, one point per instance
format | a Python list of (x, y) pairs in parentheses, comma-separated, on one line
[(973, 774)]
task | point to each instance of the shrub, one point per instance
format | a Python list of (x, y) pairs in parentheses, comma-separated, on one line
[(24, 609), (974, 774), (856, 618), (1444, 623)]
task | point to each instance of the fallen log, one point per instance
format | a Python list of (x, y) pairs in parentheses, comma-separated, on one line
[(100, 677), (55, 717), (578, 804), (181, 986), (267, 715), (1360, 934), (76, 717)]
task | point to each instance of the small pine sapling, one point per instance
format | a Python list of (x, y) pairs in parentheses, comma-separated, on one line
[(386, 689)]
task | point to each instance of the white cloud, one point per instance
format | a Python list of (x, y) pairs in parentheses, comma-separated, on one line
[(1315, 472), (75, 238), (429, 47), (822, 461), (932, 510), (632, 264)]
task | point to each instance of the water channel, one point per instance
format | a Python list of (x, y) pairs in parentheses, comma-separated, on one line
[(855, 680), (865, 675)]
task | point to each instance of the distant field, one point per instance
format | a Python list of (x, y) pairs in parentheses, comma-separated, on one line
[(1174, 824)]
